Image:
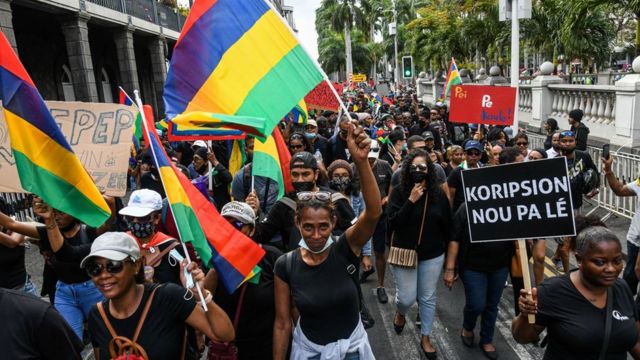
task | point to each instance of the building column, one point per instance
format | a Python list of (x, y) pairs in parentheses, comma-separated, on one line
[(127, 60), (6, 23), (76, 34), (158, 71)]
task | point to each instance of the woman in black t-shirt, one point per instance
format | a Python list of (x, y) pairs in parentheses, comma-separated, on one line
[(574, 308), (420, 220), (305, 274), (115, 266)]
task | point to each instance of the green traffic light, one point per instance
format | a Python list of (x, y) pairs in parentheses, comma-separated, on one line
[(407, 73)]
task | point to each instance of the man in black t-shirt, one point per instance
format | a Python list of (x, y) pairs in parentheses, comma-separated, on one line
[(33, 329)]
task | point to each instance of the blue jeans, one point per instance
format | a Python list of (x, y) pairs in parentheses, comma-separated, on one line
[(421, 284), (74, 301), (348, 356), (629, 274), (29, 288), (483, 291)]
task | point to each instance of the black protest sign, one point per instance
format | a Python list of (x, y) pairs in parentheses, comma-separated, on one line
[(527, 200)]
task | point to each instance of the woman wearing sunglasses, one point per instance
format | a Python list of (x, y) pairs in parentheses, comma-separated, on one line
[(151, 316), (328, 322), (419, 224), (252, 307), (299, 143)]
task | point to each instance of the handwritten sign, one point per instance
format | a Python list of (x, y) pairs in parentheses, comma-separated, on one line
[(99, 134), (527, 200), (488, 105)]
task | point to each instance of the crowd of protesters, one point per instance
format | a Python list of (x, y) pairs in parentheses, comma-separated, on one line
[(371, 188)]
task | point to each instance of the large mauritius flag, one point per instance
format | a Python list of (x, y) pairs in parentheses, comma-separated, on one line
[(238, 58), (46, 164), (216, 241)]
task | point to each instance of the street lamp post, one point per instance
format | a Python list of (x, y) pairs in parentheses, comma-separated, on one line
[(395, 45)]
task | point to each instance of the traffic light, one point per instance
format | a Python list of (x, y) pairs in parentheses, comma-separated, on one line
[(407, 67)]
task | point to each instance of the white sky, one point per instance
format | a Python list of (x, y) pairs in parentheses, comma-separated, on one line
[(304, 13)]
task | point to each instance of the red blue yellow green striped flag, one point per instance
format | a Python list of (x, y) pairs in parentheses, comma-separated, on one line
[(217, 242), (46, 164), (300, 113), (203, 122), (271, 159), (238, 58), (453, 78), (124, 99)]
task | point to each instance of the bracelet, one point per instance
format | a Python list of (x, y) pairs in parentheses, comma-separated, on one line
[(52, 226)]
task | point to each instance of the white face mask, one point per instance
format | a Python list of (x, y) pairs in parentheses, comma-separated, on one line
[(303, 244)]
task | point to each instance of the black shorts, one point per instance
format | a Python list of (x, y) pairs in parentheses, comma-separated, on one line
[(380, 235)]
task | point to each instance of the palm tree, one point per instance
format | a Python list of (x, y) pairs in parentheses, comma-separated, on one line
[(344, 15), (375, 52)]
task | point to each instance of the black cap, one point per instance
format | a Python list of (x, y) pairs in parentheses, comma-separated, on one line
[(303, 160)]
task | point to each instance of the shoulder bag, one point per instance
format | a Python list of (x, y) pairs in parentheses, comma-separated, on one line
[(227, 350), (123, 348), (407, 258)]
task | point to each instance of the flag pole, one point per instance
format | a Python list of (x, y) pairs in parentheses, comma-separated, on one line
[(315, 62), (138, 101)]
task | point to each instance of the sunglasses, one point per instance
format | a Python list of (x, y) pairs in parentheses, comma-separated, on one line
[(140, 219), (314, 195), (237, 224), (113, 267), (419, 167), (296, 137), (522, 143), (419, 147), (567, 133), (473, 153), (295, 147)]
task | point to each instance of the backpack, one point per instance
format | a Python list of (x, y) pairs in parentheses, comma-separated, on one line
[(123, 348)]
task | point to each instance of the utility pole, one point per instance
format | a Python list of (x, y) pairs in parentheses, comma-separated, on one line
[(515, 45), (395, 45)]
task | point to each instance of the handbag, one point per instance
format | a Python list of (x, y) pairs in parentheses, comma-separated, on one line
[(227, 350), (407, 258)]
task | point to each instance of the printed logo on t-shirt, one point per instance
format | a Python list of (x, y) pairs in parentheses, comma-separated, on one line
[(616, 315)]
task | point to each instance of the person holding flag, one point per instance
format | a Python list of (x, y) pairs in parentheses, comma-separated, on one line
[(329, 325)]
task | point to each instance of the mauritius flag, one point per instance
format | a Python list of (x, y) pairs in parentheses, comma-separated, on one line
[(238, 58), (124, 99), (271, 159), (46, 164), (217, 242), (453, 78)]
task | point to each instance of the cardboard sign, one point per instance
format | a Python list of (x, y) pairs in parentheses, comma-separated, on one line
[(488, 105), (99, 134), (528, 200)]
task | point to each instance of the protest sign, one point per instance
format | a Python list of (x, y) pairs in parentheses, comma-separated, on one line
[(99, 134), (357, 78), (526, 200), (322, 98), (487, 105)]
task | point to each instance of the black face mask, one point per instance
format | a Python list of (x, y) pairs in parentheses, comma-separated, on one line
[(340, 184), (418, 176), (69, 227), (299, 186)]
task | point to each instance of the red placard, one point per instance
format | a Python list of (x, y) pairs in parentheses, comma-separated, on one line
[(322, 97), (488, 105)]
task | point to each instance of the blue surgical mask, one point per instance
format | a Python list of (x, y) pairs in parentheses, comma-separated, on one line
[(303, 244), (310, 136), (405, 147)]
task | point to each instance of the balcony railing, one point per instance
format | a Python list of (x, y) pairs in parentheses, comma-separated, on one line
[(149, 10)]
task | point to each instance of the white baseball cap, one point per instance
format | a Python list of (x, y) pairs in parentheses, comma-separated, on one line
[(240, 211), (142, 203), (115, 246), (200, 143), (374, 151)]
